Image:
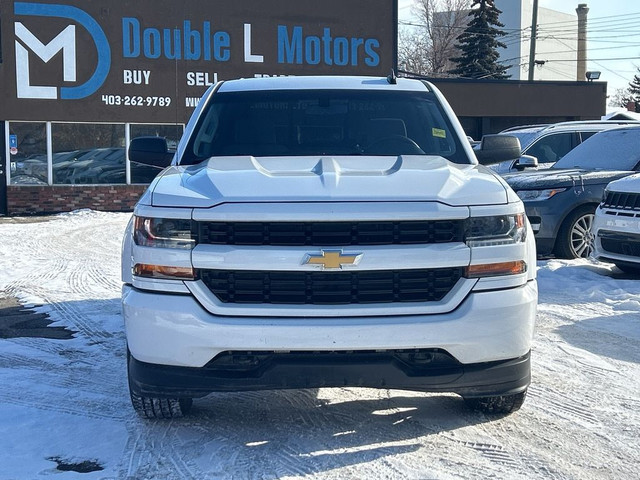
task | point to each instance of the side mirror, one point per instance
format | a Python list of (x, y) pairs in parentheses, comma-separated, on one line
[(497, 148), (151, 151), (525, 161)]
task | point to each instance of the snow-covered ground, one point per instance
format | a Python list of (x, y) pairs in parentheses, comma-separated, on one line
[(66, 401)]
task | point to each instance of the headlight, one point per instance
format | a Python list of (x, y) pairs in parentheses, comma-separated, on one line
[(496, 230), (536, 195), (163, 232)]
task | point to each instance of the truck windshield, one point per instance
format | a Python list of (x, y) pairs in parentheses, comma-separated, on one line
[(324, 122)]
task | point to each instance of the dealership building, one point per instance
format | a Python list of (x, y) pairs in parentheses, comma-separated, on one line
[(80, 79)]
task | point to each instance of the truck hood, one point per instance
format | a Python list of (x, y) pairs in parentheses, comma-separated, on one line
[(317, 179), (557, 178)]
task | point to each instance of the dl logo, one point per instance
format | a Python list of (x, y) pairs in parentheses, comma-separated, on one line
[(65, 41)]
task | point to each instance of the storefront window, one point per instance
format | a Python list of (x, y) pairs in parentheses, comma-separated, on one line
[(82, 153), (142, 173), (88, 153), (28, 153)]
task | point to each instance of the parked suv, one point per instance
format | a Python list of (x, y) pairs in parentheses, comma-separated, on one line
[(322, 232), (616, 227), (549, 143), (561, 201)]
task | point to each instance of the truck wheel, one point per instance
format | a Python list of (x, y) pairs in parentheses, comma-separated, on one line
[(503, 404), (575, 239), (151, 407), (148, 407)]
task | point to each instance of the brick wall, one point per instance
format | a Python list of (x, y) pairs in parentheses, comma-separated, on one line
[(26, 199)]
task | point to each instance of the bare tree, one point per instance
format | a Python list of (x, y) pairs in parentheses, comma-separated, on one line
[(426, 45), (413, 48), (619, 98)]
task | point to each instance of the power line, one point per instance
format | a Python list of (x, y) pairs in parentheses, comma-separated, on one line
[(453, 27), (560, 73), (596, 59), (596, 19), (573, 50)]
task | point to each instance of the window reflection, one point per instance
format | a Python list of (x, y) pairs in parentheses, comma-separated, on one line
[(88, 153), (28, 162), (82, 153)]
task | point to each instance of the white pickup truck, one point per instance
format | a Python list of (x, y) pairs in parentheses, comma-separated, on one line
[(327, 232)]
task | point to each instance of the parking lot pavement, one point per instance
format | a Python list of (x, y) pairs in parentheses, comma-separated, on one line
[(19, 321)]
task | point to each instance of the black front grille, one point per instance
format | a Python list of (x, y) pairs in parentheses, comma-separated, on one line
[(331, 288), (329, 233), (620, 243), (622, 201)]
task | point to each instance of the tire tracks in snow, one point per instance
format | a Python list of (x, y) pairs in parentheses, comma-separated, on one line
[(494, 452), (559, 404), (77, 318), (153, 450), (517, 456), (68, 312), (246, 432), (78, 406), (97, 392)]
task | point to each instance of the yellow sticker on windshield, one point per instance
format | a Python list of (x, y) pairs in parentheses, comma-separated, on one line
[(438, 132)]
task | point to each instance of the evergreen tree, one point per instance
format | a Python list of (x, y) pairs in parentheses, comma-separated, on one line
[(479, 44), (632, 95)]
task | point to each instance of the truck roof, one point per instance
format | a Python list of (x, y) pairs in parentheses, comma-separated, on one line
[(326, 82)]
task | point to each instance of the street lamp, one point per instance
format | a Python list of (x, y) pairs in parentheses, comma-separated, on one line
[(592, 75)]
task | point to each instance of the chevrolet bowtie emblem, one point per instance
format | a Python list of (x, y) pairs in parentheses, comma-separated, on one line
[(334, 259)]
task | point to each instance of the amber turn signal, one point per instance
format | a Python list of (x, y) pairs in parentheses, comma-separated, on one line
[(162, 271), (496, 269)]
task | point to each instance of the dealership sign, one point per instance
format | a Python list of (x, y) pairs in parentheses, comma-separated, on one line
[(151, 60)]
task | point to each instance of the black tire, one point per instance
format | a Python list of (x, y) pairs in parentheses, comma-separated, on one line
[(151, 407), (500, 405), (148, 407), (575, 239)]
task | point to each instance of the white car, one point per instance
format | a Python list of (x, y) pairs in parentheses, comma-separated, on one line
[(616, 226), (322, 232)]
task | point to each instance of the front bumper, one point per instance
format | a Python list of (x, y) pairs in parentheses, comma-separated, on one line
[(333, 369), (166, 331), (617, 236)]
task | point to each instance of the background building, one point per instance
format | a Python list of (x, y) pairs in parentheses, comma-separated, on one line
[(556, 41)]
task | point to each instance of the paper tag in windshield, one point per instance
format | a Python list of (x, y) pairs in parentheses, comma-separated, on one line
[(438, 132)]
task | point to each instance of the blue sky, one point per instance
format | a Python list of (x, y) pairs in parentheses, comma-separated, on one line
[(613, 36), (612, 33)]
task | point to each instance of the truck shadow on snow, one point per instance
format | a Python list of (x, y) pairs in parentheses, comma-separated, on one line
[(272, 434)]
